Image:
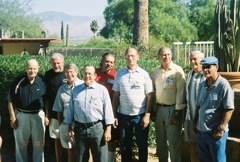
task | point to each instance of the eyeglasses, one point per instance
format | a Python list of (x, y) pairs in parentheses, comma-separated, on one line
[(128, 56), (206, 66)]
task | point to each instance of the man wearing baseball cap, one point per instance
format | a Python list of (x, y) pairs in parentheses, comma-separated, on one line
[(215, 105)]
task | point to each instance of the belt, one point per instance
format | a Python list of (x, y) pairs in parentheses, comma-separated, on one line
[(29, 111), (86, 125), (164, 104)]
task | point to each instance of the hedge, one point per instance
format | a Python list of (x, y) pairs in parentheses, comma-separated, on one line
[(12, 66)]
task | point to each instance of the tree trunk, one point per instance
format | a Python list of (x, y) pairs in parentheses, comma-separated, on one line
[(140, 29)]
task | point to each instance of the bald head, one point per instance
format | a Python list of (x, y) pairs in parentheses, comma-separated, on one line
[(31, 62), (32, 68), (162, 49), (131, 49)]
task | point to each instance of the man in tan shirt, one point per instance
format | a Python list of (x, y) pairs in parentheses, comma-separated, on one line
[(169, 85)]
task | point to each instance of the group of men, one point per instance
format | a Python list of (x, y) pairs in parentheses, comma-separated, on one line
[(89, 115)]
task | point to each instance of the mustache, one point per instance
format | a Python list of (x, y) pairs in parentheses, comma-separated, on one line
[(108, 65)]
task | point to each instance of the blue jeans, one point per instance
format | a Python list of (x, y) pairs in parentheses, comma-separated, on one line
[(90, 138), (210, 149), (129, 125)]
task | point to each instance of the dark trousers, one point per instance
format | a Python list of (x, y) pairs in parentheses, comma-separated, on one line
[(129, 125), (90, 138)]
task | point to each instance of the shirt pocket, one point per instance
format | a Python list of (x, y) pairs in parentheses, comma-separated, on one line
[(96, 102), (169, 82)]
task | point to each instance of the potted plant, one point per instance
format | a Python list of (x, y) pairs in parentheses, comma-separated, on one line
[(227, 40)]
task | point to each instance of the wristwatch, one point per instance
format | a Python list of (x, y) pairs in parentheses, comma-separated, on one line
[(220, 128)]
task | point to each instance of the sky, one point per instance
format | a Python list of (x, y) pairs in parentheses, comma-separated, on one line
[(71, 7)]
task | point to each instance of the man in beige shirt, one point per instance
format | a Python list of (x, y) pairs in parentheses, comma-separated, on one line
[(169, 85)]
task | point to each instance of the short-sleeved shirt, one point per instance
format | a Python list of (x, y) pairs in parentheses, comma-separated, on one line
[(90, 104), (106, 79), (53, 82), (170, 86), (61, 103), (213, 101), (133, 87), (27, 96)]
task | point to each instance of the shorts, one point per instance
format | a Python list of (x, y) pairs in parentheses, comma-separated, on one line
[(54, 129), (64, 138)]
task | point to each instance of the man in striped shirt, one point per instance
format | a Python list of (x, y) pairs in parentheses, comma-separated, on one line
[(133, 90)]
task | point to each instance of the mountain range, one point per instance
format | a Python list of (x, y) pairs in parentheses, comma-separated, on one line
[(79, 26)]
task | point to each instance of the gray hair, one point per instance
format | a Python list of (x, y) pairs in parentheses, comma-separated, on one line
[(163, 48), (71, 66), (199, 53), (57, 55)]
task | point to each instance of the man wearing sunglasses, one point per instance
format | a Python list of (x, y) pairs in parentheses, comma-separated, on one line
[(215, 104)]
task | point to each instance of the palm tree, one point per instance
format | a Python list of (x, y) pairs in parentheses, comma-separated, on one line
[(94, 26), (140, 29)]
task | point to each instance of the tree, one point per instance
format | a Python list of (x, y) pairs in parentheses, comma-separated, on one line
[(202, 16), (140, 28), (119, 12), (62, 32), (12, 11), (94, 26), (168, 21)]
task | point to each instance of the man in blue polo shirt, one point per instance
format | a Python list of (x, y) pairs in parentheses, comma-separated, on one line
[(215, 105), (25, 104)]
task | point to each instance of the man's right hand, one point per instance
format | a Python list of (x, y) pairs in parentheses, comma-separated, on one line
[(115, 124), (71, 135), (14, 123)]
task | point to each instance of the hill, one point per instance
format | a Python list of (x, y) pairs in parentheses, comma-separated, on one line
[(79, 26)]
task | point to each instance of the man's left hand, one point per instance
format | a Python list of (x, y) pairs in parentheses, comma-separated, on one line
[(174, 118), (145, 121), (107, 135), (46, 121), (217, 134)]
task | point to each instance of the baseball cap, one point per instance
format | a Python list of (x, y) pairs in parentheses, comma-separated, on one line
[(209, 61)]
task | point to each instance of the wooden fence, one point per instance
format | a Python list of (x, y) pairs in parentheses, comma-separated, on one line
[(181, 50)]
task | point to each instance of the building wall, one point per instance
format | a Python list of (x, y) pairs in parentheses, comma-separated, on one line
[(17, 48)]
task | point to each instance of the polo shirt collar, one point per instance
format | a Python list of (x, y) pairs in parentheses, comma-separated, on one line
[(94, 85), (215, 84), (170, 66), (74, 84), (36, 80), (136, 70)]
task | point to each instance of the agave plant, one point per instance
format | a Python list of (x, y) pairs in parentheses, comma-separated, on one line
[(227, 35)]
